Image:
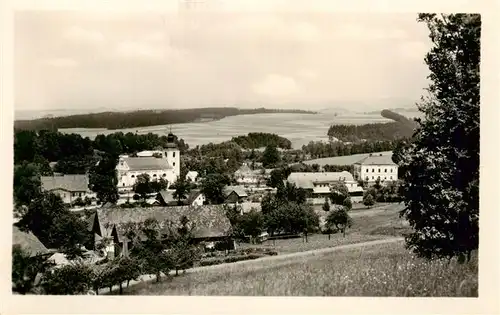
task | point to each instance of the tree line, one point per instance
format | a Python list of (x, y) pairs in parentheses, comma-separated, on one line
[(255, 140), (317, 150), (370, 132), (141, 118)]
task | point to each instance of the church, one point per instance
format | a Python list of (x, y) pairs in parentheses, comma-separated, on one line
[(167, 166)]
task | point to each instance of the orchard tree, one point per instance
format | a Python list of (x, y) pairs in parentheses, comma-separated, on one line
[(340, 219), (103, 180), (326, 205), (339, 193), (440, 167), (212, 186), (270, 157), (27, 185), (368, 199), (182, 189), (143, 186)]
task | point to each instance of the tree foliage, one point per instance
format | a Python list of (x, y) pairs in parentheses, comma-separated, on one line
[(440, 168), (271, 156), (54, 225), (340, 219), (212, 186)]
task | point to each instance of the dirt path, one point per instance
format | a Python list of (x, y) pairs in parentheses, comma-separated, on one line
[(313, 252)]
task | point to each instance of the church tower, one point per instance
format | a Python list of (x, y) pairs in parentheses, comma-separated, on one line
[(172, 154)]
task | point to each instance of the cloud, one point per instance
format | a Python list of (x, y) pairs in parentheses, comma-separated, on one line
[(84, 36), (135, 49), (275, 85), (61, 63)]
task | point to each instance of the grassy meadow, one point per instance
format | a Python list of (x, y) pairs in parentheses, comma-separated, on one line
[(369, 270), (379, 270)]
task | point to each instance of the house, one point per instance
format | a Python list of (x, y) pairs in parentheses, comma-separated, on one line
[(319, 183), (245, 176), (235, 194), (195, 198), (209, 223), (68, 187), (192, 176), (28, 242), (376, 166), (167, 166)]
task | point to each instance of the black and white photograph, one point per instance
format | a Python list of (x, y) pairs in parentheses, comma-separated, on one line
[(206, 151)]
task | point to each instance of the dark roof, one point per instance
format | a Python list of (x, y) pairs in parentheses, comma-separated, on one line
[(28, 242), (192, 196), (239, 190), (146, 163), (380, 159), (209, 220), (65, 182)]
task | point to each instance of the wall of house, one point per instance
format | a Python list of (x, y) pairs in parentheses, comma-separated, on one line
[(69, 197), (128, 178), (370, 173), (173, 156), (199, 200)]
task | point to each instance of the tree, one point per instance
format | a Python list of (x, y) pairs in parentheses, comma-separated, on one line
[(252, 223), (340, 219), (212, 186), (339, 193), (103, 179), (153, 251), (347, 203), (56, 227), (368, 200), (183, 252), (326, 205), (26, 269), (440, 168), (27, 185), (143, 186), (76, 278), (182, 188), (271, 156), (158, 185)]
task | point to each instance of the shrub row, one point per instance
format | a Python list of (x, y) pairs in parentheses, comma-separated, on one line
[(230, 259)]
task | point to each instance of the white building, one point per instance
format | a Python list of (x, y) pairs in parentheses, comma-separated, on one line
[(320, 183), (68, 187), (376, 166), (167, 166)]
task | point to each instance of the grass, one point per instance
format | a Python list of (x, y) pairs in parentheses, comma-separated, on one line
[(315, 241), (381, 270)]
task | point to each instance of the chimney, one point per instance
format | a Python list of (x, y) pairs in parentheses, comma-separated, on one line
[(371, 154)]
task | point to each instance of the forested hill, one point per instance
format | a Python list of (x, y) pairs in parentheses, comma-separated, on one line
[(142, 118), (402, 127)]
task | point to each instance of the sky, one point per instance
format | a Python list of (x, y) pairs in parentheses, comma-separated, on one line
[(196, 58)]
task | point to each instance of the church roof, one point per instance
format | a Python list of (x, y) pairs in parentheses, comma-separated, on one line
[(147, 163)]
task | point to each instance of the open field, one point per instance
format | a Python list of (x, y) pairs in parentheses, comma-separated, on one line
[(343, 160), (377, 270)]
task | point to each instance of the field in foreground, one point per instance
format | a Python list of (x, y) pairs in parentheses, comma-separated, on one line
[(378, 270)]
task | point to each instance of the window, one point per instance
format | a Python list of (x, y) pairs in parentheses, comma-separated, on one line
[(379, 170), (373, 177), (133, 176), (154, 175), (373, 170), (391, 170), (173, 154), (367, 178), (164, 175), (385, 170), (391, 177), (174, 163), (124, 184)]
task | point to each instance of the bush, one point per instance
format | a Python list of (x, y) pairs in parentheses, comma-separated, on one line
[(230, 259), (71, 279)]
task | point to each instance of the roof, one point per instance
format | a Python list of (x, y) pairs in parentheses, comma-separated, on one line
[(192, 196), (147, 153), (192, 174), (209, 221), (380, 159), (355, 188), (244, 170), (307, 180), (146, 163), (167, 195), (239, 190), (321, 190), (65, 182), (28, 242)]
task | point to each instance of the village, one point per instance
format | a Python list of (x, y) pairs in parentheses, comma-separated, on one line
[(180, 196)]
